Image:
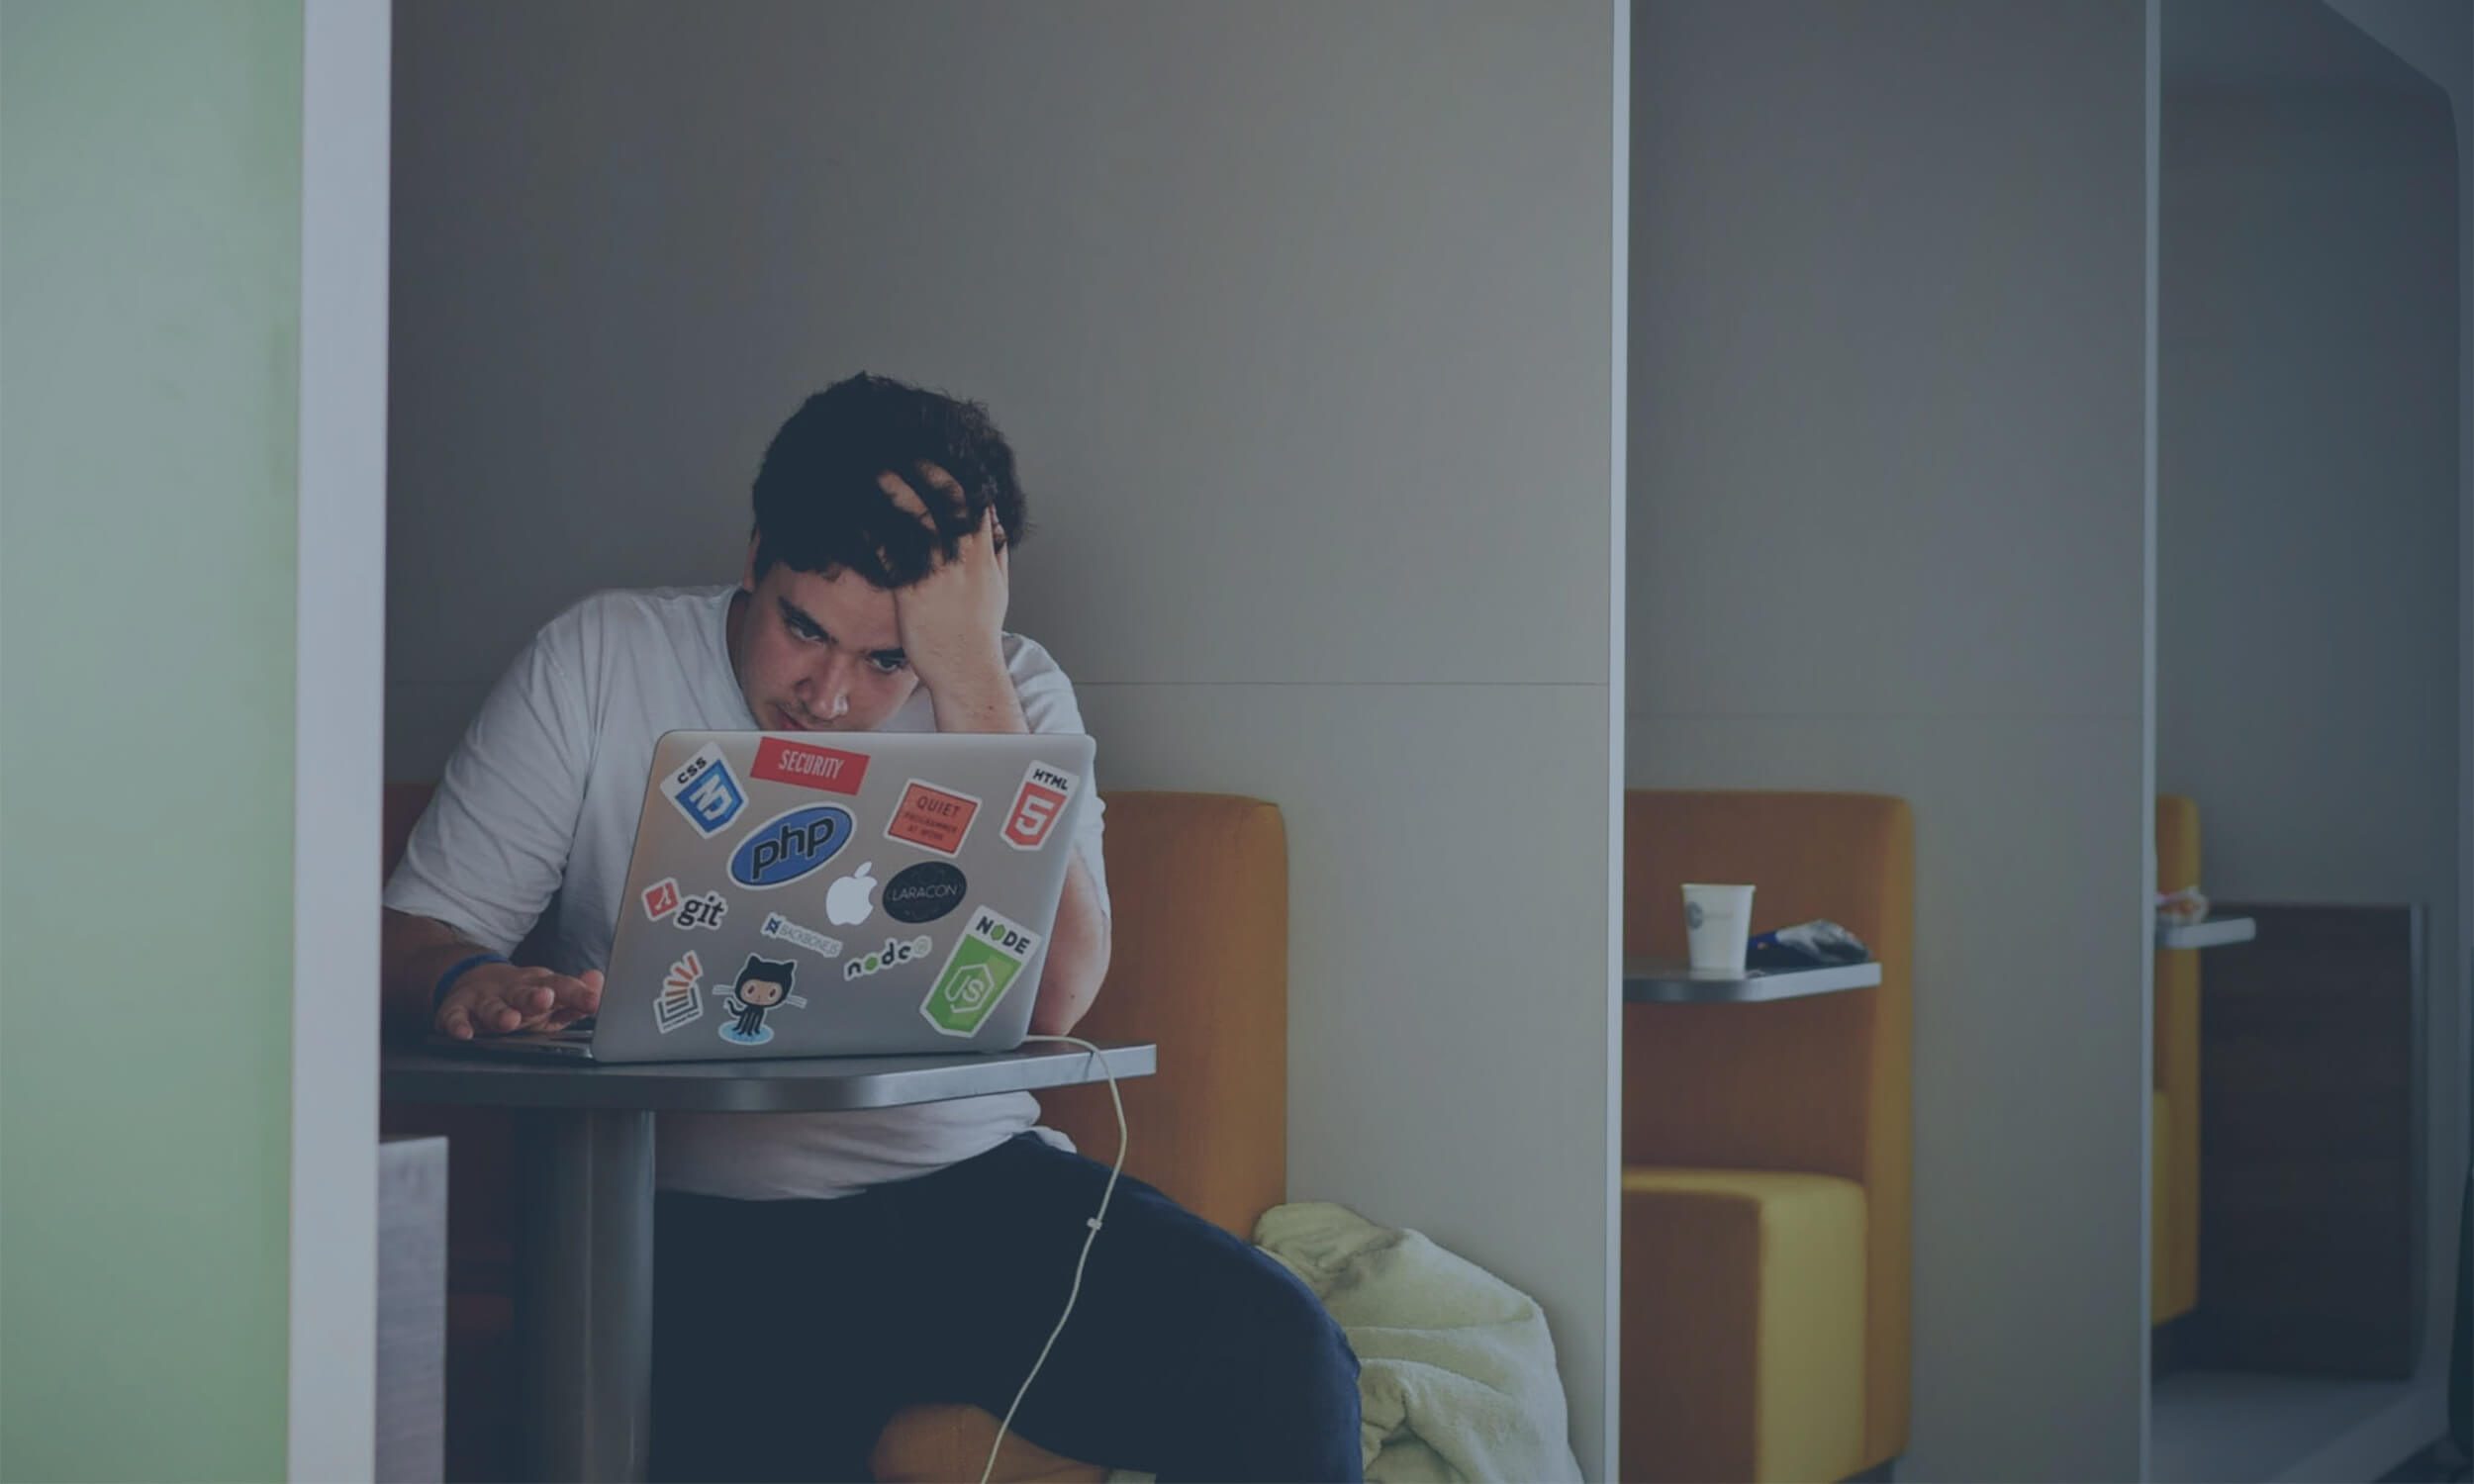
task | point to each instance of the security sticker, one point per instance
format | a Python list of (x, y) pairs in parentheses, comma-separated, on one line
[(779, 926), (895, 953), (979, 971), (764, 984), (1036, 805), (704, 791), (932, 819), (810, 767), (661, 900), (681, 1000)]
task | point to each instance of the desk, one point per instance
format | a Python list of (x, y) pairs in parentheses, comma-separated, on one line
[(1658, 981), (584, 1259)]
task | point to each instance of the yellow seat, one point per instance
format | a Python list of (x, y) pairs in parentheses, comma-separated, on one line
[(1768, 1155), (1763, 1272), (2173, 1226)]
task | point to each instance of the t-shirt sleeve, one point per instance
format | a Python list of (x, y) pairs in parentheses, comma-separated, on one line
[(1048, 704), (491, 850)]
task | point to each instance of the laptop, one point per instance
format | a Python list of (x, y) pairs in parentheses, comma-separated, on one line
[(829, 894)]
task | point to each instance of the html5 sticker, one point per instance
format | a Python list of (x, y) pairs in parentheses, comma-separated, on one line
[(704, 791), (932, 819), (1037, 804), (827, 768)]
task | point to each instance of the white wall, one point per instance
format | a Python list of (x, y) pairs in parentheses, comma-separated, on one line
[(1300, 318), (1888, 499), (2309, 565)]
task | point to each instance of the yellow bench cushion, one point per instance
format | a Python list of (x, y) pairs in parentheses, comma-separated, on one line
[(1743, 1324)]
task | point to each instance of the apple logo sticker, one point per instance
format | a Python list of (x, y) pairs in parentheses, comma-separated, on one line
[(850, 901)]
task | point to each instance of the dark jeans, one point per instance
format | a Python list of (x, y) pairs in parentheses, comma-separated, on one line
[(787, 1331)]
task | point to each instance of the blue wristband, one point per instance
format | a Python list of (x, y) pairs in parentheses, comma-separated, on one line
[(447, 979)]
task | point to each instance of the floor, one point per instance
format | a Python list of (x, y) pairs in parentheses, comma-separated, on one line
[(2239, 1428)]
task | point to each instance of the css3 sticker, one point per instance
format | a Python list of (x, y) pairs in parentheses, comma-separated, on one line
[(1036, 805), (790, 843), (924, 892), (705, 792), (979, 971)]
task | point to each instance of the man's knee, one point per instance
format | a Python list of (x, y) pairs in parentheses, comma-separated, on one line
[(1301, 1364)]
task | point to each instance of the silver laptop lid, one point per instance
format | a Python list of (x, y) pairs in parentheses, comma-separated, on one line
[(810, 893)]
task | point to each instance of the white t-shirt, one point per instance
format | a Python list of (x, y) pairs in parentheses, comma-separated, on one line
[(538, 812)]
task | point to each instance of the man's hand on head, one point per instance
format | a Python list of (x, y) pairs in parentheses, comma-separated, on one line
[(953, 620), (498, 999)]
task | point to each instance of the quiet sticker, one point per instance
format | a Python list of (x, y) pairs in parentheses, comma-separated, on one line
[(779, 926), (827, 768), (979, 971), (932, 819), (1036, 805), (704, 791), (681, 1001)]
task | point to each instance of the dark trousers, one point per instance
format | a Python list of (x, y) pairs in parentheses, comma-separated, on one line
[(787, 1331)]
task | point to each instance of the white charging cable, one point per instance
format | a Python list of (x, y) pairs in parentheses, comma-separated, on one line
[(1096, 1219)]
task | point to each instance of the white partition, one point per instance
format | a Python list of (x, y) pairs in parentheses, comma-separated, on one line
[(1888, 505), (1299, 317)]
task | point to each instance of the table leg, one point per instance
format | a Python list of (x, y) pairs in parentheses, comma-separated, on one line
[(584, 1310)]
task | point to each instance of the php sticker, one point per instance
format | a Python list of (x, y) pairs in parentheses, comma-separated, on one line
[(779, 926), (893, 954), (1036, 805), (764, 985), (704, 791), (810, 767), (681, 1001), (924, 892), (790, 845), (979, 971), (932, 819)]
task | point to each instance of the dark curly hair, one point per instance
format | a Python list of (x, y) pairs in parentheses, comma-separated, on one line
[(818, 505)]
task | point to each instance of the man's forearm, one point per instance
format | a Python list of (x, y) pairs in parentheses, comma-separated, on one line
[(1078, 957), (412, 953)]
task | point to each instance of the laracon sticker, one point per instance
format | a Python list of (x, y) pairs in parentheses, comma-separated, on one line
[(924, 892), (790, 843), (932, 819), (764, 984), (779, 926), (1036, 805), (827, 768), (893, 954), (705, 911), (704, 791), (682, 1000), (661, 900), (979, 971)]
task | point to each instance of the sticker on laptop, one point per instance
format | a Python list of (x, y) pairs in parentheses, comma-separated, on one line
[(779, 926), (704, 791), (663, 902), (810, 767), (893, 954), (977, 973), (851, 900), (1036, 805), (932, 819), (681, 1001), (662, 898), (924, 892), (764, 985), (790, 845)]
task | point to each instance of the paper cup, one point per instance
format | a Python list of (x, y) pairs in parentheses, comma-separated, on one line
[(1719, 923)]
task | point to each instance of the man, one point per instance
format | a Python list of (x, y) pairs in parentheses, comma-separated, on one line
[(817, 1272)]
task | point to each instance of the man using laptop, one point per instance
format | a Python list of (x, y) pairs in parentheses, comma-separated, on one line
[(815, 1272)]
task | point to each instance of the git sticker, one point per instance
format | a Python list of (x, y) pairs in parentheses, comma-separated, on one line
[(704, 791), (662, 898), (932, 819), (1036, 805), (681, 1001), (979, 971)]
